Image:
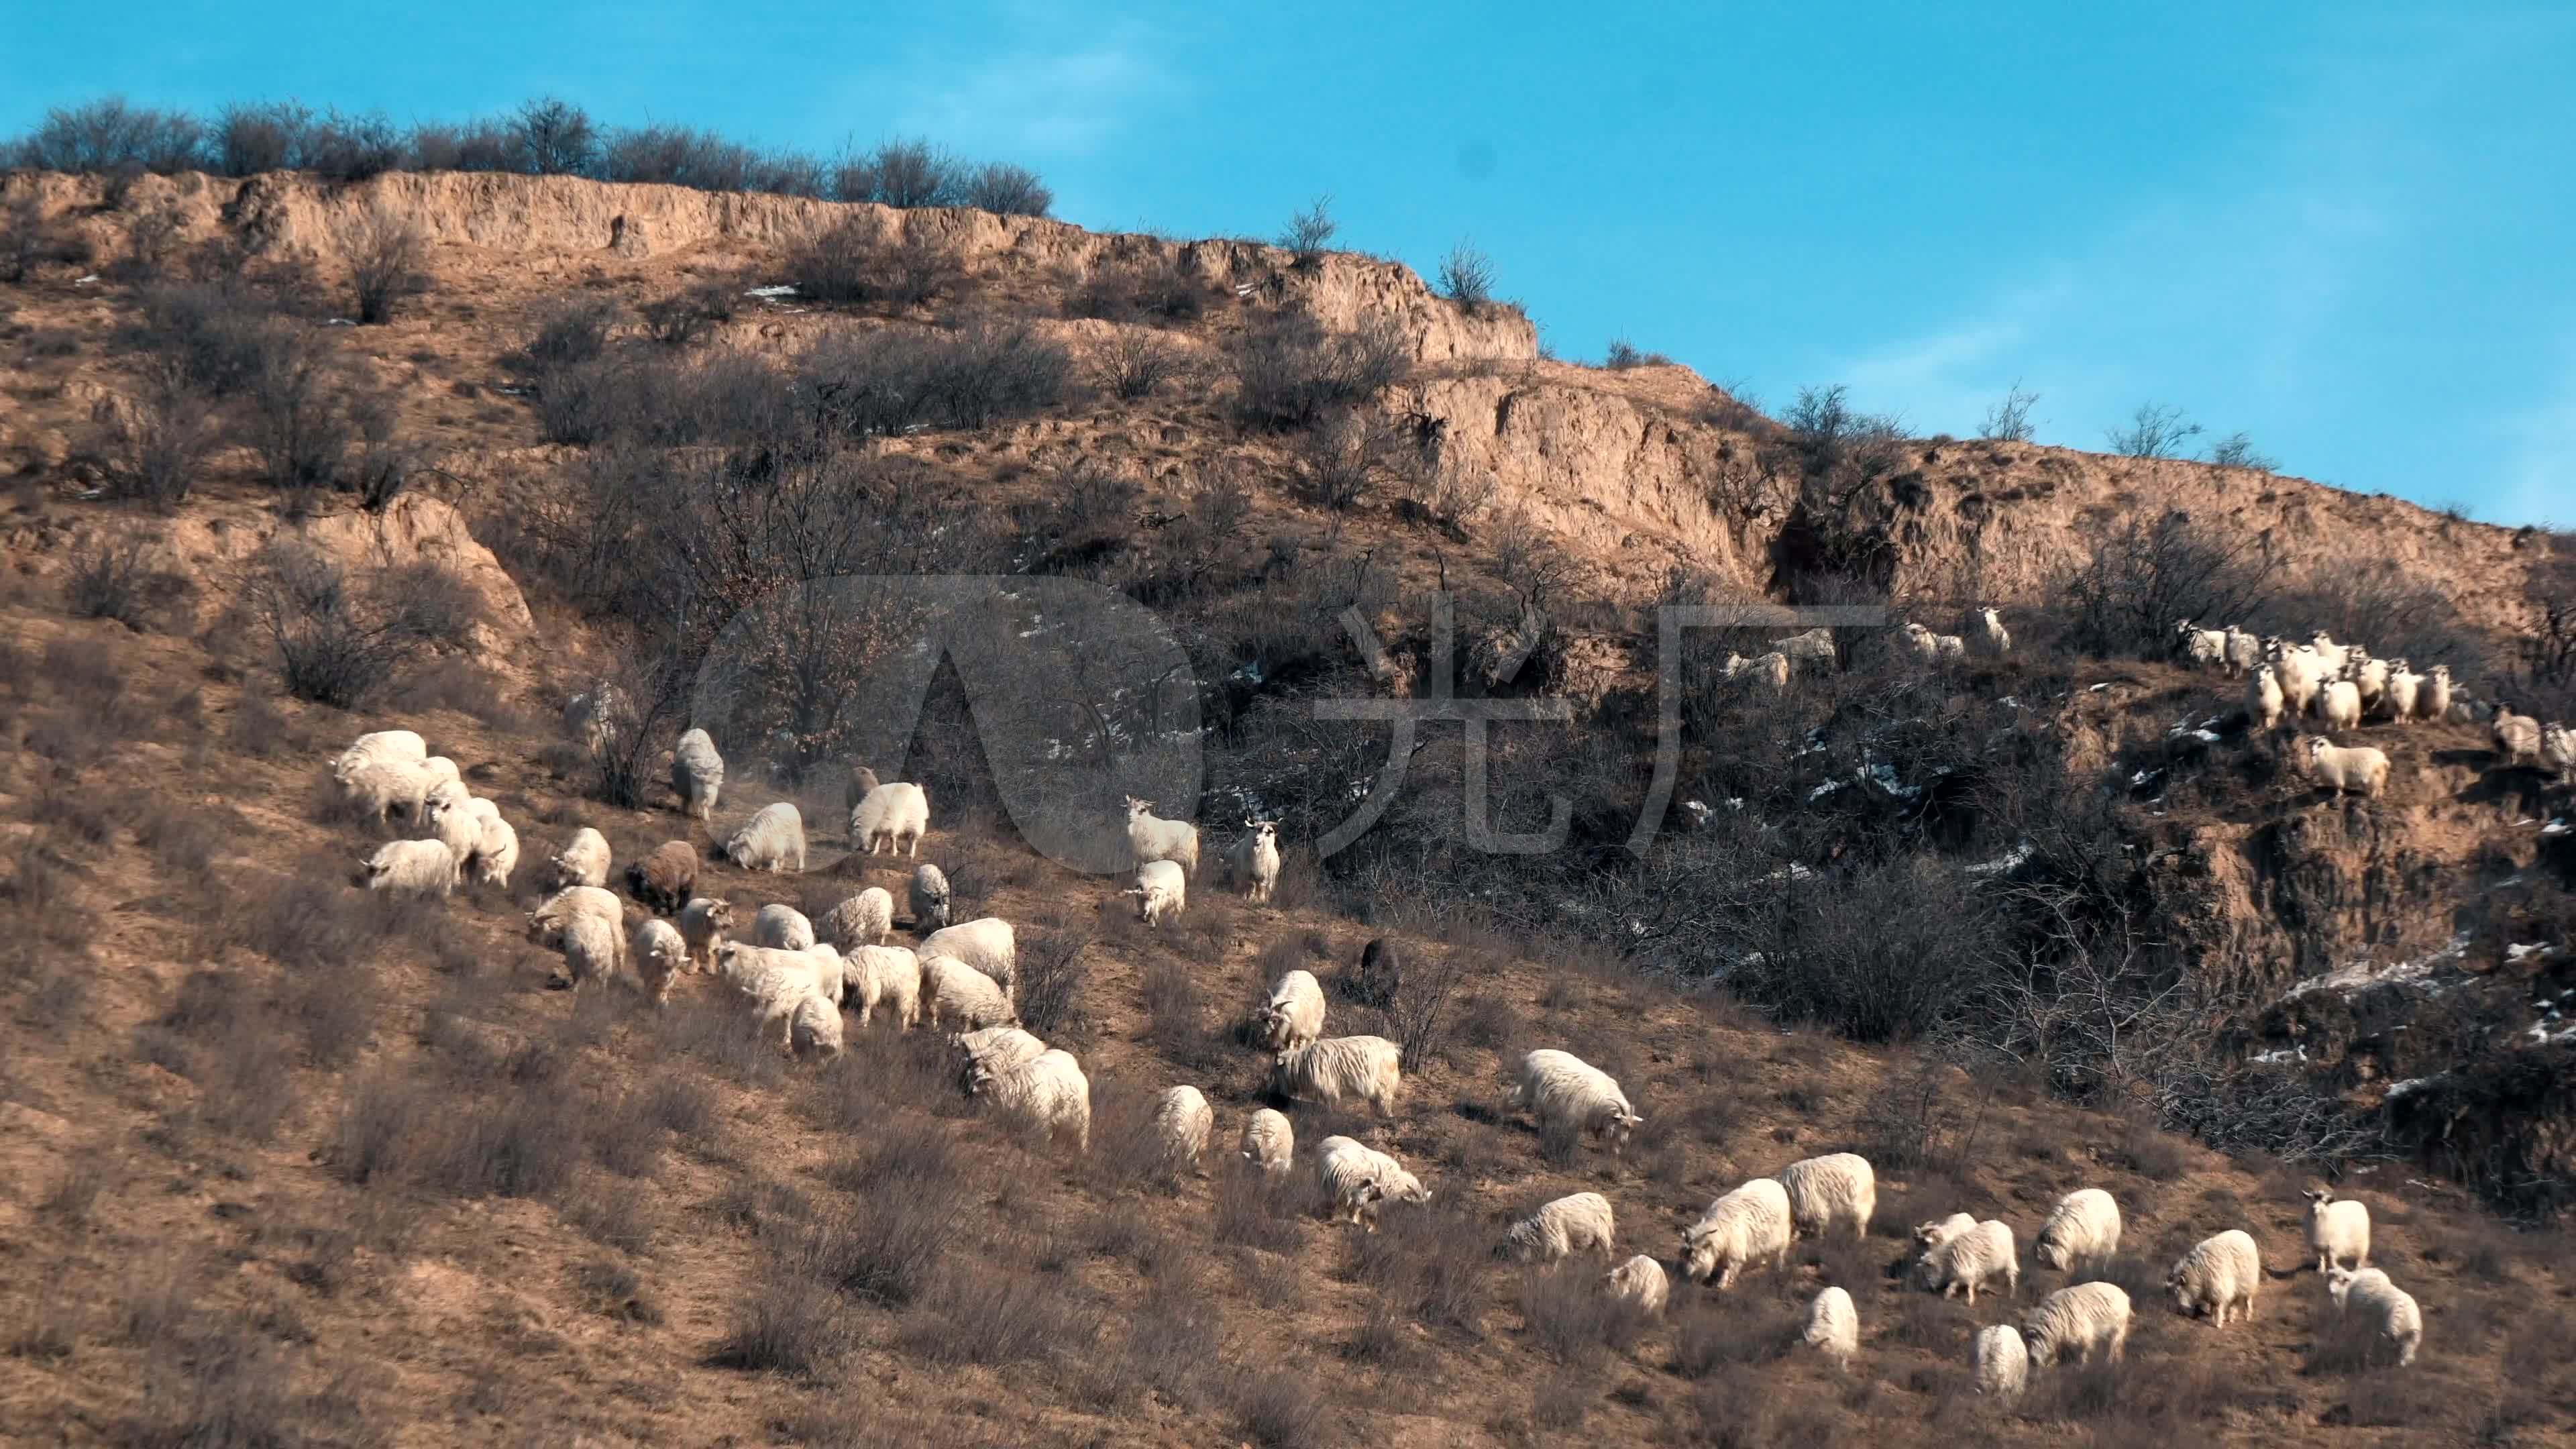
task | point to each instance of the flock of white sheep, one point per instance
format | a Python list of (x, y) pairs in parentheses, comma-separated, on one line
[(2344, 686), (796, 977)]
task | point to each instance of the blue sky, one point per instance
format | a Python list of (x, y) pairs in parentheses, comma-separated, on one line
[(2342, 228)]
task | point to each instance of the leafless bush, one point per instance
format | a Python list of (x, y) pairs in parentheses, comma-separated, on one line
[(576, 331), (351, 147), (1008, 190), (553, 137), (340, 639), (1624, 354), (900, 173), (149, 445), (1156, 287), (1137, 364), (2236, 450), (250, 140), (216, 333), (1052, 977), (313, 423), (2147, 575), (1310, 231), (1343, 459), (119, 578), (885, 380), (111, 135), (1291, 372), (2009, 420), (2154, 431), (1467, 277), (385, 256), (686, 317)]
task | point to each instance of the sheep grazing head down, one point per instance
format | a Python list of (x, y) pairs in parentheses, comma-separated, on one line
[(368, 870)]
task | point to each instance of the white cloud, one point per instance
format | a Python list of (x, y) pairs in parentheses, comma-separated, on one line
[(2539, 472), (1033, 98)]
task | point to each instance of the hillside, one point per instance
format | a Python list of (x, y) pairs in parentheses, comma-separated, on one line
[(292, 1163)]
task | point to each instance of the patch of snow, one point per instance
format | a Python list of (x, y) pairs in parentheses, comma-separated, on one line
[(2097, 689), (1884, 777), (89, 280), (2400, 1089), (2281, 1058), (2516, 953), (1827, 788), (2354, 975), (780, 289), (2557, 827), (2011, 701), (2009, 860), (2143, 776)]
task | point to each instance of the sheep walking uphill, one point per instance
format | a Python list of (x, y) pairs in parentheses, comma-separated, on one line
[(1354, 1179), (1641, 1281), (1833, 1325), (1824, 1191), (1567, 1095), (929, 901), (1342, 1069), (773, 839), (1739, 1229), (1149, 837), (2078, 1320), (2218, 1276), (1579, 1222), (422, 867), (1183, 1122), (1269, 1141), (890, 817), (2387, 1308), (1294, 1014), (2085, 1225), (2202, 648), (2338, 1230), (697, 774), (1252, 862), (584, 860)]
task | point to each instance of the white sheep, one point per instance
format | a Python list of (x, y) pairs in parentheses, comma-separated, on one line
[(2383, 1304), (452, 824), (774, 982), (1815, 645), (2219, 1274), (1959, 1260), (2369, 678), (2078, 1320), (1836, 1188), (1918, 641), (1641, 1281), (1987, 634), (888, 976), (1252, 862), (2405, 692), (986, 943), (584, 860), (1565, 1094), (952, 990), (1294, 1014), (2203, 648), (1833, 1325), (1742, 1227), (994, 1049), (2338, 705), (2085, 1224), (697, 774), (1049, 1095), (2242, 653), (2336, 656), (2338, 1229), (2433, 702), (2347, 767), (402, 747), (2516, 736), (864, 919), (2558, 749), (892, 817), (703, 922), (1933, 1234), (2263, 700), (1571, 1224), (2002, 1363), (929, 898), (831, 973), (1356, 1178), (772, 839), (659, 953), (423, 867), (1161, 891), (782, 928), (1149, 837), (1269, 1141), (591, 937), (814, 1028), (1183, 1122), (1342, 1068), (2301, 674), (383, 788), (1772, 667), (496, 846), (598, 718)]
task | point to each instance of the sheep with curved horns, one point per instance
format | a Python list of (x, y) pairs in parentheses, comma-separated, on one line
[(1578, 1222), (1356, 1178), (1566, 1094), (1161, 891), (697, 774), (1294, 1014), (2078, 1320), (2382, 1304), (1641, 1281), (773, 839), (2219, 1274), (1151, 838), (2084, 1225), (1269, 1141), (2338, 1229), (1739, 1229), (891, 817), (1252, 862), (584, 860), (1836, 1188)]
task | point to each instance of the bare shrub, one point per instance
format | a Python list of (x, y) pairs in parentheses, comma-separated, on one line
[(1007, 190), (686, 317), (150, 444), (118, 578), (2009, 420), (1282, 1408), (884, 380), (1623, 355), (1310, 231), (1346, 456), (979, 1313), (901, 173), (575, 331), (310, 420), (27, 239), (553, 137), (1467, 277), (2154, 431), (786, 1323), (215, 333), (111, 135), (340, 639), (1155, 287), (2237, 450), (1291, 372), (1052, 977), (2146, 575), (343, 147), (385, 264), (1136, 365)]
